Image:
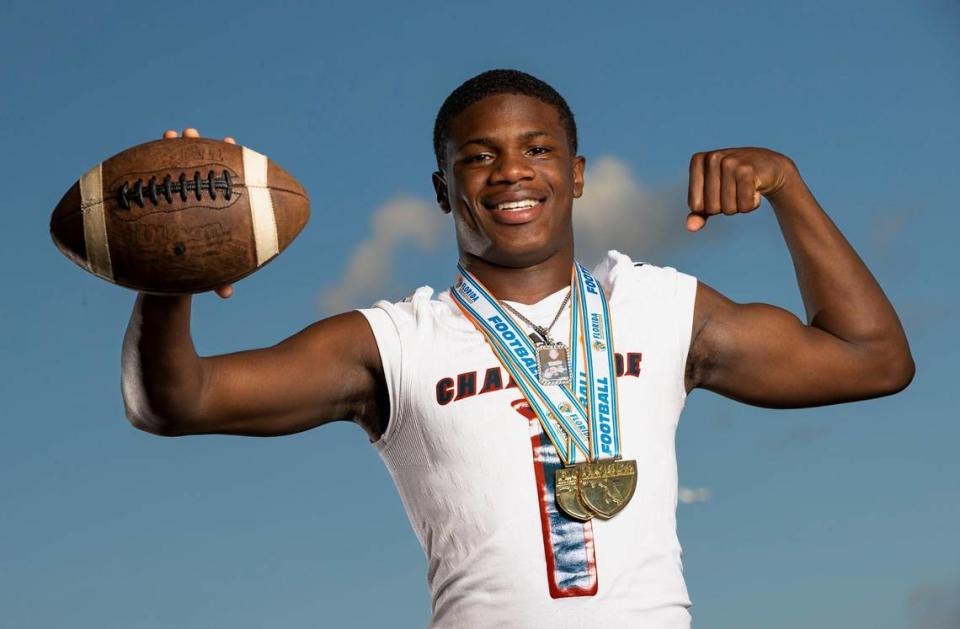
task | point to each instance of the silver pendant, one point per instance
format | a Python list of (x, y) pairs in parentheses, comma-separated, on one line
[(553, 363)]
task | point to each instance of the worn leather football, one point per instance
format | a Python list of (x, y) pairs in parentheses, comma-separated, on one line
[(181, 215)]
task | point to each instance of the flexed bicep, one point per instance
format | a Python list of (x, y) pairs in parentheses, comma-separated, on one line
[(764, 355)]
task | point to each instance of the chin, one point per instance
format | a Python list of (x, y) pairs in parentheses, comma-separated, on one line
[(521, 254), (517, 246)]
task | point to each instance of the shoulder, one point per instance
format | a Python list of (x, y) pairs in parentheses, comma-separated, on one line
[(659, 299), (620, 274), (425, 308), (404, 329)]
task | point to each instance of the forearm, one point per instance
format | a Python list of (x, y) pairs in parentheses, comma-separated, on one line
[(839, 293), (162, 376)]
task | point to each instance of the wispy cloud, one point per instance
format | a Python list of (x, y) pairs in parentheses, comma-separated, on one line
[(398, 222), (689, 495), (886, 230), (934, 606), (617, 211), (801, 436), (927, 316)]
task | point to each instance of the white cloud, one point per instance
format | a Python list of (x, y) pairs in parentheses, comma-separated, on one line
[(617, 212), (397, 222), (935, 606), (689, 496)]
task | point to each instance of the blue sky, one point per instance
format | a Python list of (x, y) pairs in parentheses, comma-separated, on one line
[(832, 517)]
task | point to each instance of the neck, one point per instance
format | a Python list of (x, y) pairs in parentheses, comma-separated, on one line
[(526, 285)]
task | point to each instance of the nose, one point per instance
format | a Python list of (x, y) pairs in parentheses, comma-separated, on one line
[(511, 167)]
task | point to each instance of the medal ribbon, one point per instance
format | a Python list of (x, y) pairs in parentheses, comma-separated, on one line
[(600, 373), (563, 418), (582, 425)]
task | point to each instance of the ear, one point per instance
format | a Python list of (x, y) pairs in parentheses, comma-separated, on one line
[(440, 185), (579, 164)]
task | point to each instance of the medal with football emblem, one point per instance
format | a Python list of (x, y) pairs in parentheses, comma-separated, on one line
[(581, 422), (605, 487), (568, 493)]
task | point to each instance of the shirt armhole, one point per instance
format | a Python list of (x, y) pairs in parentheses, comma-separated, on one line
[(387, 334), (686, 297)]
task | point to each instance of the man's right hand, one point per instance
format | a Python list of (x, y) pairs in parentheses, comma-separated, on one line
[(227, 289), (329, 371)]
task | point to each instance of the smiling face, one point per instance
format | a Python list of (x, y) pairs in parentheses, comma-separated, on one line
[(510, 180)]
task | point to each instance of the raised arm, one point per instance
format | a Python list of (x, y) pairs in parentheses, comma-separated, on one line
[(852, 346), (331, 370)]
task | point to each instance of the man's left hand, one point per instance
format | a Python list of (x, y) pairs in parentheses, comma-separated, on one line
[(732, 180)]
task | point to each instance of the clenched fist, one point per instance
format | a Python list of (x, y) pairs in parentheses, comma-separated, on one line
[(732, 180)]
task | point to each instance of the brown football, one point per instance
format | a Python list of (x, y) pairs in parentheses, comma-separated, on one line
[(182, 215)]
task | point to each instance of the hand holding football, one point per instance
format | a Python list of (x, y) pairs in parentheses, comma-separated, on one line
[(179, 215)]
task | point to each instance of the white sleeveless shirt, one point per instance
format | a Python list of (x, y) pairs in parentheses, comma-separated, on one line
[(475, 472)]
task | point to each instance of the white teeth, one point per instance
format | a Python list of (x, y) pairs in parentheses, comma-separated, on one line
[(517, 205)]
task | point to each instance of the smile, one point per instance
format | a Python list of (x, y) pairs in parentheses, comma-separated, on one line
[(516, 212), (512, 206)]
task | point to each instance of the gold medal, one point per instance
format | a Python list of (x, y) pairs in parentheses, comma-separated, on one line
[(606, 486), (568, 493), (571, 389)]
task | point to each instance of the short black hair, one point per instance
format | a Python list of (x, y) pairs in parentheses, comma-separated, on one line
[(491, 83)]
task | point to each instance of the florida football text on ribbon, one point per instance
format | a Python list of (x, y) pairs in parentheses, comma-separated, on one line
[(582, 422)]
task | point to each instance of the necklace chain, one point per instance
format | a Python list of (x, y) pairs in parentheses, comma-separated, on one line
[(544, 332)]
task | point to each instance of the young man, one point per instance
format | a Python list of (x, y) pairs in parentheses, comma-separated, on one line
[(513, 462)]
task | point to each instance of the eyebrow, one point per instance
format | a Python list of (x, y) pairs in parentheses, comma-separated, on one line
[(489, 142)]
